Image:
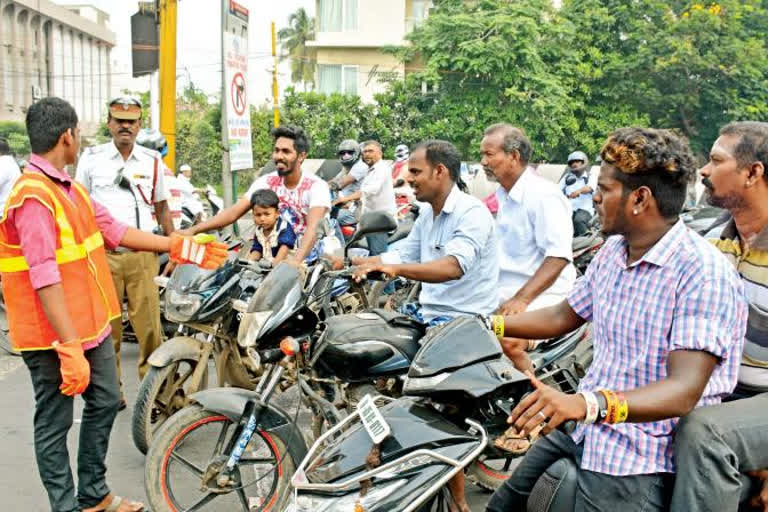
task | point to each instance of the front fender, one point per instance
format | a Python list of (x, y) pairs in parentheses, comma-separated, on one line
[(231, 403), (176, 349)]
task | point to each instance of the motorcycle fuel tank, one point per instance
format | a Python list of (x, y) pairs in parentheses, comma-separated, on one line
[(367, 345)]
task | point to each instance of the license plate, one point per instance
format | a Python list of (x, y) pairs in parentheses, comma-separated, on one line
[(373, 421)]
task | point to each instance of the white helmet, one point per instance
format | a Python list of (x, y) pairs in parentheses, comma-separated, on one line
[(401, 152), (185, 167)]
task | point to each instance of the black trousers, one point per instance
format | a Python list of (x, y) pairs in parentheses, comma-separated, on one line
[(581, 220), (595, 492), (53, 419)]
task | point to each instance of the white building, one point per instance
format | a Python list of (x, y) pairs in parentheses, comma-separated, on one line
[(50, 50), (350, 36)]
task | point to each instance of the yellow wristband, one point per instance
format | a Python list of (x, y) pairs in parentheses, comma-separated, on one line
[(497, 322), (623, 411)]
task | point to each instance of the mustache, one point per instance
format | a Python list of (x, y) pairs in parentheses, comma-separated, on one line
[(707, 183)]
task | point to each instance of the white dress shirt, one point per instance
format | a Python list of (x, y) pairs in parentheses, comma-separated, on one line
[(464, 229), (534, 222), (378, 191), (9, 171), (97, 171), (189, 197)]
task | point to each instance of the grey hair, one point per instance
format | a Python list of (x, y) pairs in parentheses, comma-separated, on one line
[(753, 141), (514, 140)]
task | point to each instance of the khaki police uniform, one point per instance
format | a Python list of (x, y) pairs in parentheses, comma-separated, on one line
[(133, 272)]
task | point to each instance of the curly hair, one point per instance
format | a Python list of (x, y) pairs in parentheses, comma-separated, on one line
[(657, 159)]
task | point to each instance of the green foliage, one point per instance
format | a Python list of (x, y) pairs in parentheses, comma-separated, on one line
[(16, 135)]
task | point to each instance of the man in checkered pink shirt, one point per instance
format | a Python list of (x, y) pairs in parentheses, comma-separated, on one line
[(669, 317)]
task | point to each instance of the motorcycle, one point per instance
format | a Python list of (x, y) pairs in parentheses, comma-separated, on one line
[(200, 302), (283, 310), (400, 456)]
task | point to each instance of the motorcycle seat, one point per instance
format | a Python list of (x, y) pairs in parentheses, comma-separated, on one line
[(555, 490)]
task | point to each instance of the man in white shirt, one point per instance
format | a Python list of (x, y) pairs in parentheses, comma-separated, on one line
[(534, 226), (129, 180), (579, 185), (9, 171), (304, 198)]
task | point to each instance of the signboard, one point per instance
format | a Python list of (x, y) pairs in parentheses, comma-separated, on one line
[(236, 90), (238, 11)]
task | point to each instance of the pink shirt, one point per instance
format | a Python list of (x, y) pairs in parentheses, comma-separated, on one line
[(36, 229)]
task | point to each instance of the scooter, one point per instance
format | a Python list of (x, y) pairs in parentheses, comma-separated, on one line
[(399, 454)]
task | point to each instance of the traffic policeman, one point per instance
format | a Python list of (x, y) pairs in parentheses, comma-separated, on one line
[(130, 181)]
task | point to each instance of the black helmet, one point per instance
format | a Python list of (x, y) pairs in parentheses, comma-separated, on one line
[(348, 152)]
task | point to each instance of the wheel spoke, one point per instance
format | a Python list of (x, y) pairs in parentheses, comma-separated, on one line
[(187, 464), (507, 464), (202, 501), (258, 460), (222, 438), (243, 499)]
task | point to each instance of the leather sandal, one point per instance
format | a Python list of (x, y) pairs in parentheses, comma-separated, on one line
[(516, 443), (113, 503)]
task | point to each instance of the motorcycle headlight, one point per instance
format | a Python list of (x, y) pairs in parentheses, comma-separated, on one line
[(250, 326), (346, 503), (421, 384), (181, 307)]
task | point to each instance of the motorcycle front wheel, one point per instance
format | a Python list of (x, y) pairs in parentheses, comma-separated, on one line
[(186, 452), (163, 391)]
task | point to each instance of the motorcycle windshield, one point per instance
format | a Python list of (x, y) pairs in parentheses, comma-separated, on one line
[(279, 291), (191, 278), (456, 344)]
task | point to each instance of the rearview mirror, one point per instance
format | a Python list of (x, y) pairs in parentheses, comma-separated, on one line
[(373, 222)]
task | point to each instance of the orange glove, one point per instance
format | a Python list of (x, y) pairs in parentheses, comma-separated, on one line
[(75, 370), (202, 250)]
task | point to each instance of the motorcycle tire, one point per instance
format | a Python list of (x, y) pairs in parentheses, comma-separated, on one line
[(149, 404), (487, 477), (175, 445)]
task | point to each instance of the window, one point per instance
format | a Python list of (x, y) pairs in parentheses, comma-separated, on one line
[(337, 15), (417, 14), (337, 78)]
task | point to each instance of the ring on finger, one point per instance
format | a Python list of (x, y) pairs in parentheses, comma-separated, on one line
[(543, 416)]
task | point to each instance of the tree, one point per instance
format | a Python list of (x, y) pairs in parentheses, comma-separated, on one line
[(692, 67), (16, 135), (293, 40)]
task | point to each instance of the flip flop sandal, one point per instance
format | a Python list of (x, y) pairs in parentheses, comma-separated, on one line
[(516, 443), (114, 505)]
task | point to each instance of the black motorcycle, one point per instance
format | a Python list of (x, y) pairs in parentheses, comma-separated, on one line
[(399, 457)]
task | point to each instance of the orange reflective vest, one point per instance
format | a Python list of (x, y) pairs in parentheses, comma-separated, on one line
[(88, 288)]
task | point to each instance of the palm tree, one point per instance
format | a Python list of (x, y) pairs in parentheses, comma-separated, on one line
[(293, 40)]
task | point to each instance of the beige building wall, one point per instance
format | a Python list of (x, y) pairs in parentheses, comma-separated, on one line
[(372, 66), (48, 50), (359, 52)]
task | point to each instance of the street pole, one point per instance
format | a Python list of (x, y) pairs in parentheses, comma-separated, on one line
[(154, 100), (276, 102), (168, 11), (226, 173)]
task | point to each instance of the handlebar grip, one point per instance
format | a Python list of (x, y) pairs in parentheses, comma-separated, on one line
[(567, 427), (376, 276)]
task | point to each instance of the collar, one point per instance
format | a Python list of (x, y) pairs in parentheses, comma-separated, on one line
[(116, 152), (518, 189), (451, 200), (731, 233), (43, 166), (664, 249)]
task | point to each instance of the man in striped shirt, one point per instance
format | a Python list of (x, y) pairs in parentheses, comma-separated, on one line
[(668, 314), (714, 445)]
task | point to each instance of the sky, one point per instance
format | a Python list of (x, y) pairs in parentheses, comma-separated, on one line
[(199, 43)]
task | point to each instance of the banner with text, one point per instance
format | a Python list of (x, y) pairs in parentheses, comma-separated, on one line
[(238, 112)]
